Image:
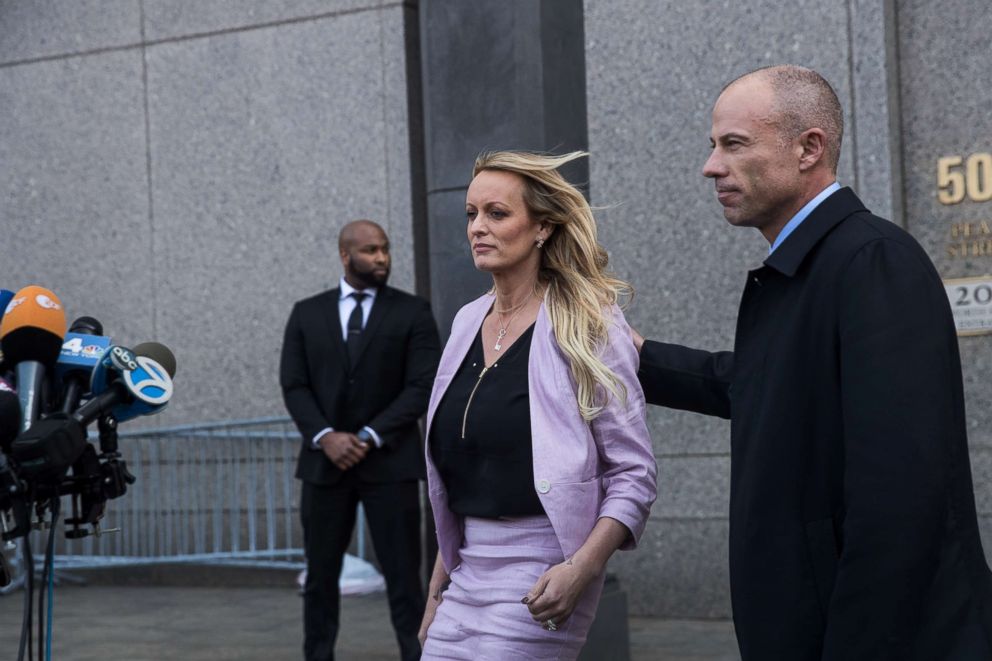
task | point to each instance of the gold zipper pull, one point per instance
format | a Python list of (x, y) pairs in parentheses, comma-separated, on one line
[(471, 395)]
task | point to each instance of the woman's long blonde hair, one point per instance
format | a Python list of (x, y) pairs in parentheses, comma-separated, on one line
[(573, 267)]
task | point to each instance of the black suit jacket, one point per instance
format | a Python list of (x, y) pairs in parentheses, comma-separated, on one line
[(853, 531), (386, 389)]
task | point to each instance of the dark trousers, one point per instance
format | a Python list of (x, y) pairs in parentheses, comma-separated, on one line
[(328, 514)]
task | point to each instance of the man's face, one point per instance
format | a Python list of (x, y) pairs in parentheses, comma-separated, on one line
[(756, 171), (366, 258)]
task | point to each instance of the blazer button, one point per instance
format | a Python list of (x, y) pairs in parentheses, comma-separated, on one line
[(543, 486), (351, 381)]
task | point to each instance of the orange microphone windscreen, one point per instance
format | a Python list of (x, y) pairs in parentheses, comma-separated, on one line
[(33, 326)]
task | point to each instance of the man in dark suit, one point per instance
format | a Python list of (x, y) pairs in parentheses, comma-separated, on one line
[(357, 366), (853, 531)]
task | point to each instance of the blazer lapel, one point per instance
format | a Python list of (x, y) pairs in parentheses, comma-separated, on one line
[(332, 316), (455, 351)]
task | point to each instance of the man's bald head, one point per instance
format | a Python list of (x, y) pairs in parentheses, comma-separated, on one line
[(803, 100), (356, 231), (364, 250)]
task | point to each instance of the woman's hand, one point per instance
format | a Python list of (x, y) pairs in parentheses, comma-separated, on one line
[(435, 590), (556, 593), (637, 338), (433, 601), (554, 596)]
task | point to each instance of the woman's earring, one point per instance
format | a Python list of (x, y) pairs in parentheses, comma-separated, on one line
[(540, 243)]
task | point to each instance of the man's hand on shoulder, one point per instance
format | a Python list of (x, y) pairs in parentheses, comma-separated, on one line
[(343, 449), (637, 338)]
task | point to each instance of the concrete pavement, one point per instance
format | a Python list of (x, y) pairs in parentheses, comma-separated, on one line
[(165, 623)]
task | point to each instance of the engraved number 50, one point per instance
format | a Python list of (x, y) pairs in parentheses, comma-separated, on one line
[(975, 181)]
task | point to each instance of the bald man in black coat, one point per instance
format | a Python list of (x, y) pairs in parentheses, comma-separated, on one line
[(853, 530)]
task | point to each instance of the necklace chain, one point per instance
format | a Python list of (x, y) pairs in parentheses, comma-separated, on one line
[(503, 328), (511, 309)]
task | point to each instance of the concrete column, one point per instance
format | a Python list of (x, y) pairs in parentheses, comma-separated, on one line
[(497, 74)]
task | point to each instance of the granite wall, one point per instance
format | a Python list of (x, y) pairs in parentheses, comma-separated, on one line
[(944, 55), (905, 74), (180, 170)]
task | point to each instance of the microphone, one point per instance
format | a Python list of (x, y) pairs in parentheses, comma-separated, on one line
[(84, 345), (160, 353), (128, 384), (31, 335)]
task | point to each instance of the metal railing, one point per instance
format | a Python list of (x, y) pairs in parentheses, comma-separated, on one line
[(206, 493)]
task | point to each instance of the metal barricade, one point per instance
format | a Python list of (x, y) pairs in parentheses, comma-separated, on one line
[(207, 493)]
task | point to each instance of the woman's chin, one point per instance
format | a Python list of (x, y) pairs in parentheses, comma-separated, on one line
[(483, 264)]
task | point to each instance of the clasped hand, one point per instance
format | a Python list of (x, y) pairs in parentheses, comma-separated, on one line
[(556, 593), (344, 450)]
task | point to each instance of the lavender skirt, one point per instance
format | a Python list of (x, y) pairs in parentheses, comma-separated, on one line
[(481, 618)]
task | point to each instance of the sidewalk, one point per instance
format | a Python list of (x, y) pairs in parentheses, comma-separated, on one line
[(138, 623)]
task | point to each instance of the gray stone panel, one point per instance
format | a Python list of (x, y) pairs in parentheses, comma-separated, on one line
[(873, 135), (943, 54), (679, 567), (693, 486), (477, 103), (981, 475), (985, 527), (651, 83), (174, 18), (41, 29), (654, 70), (264, 143), (944, 59), (454, 278), (396, 147), (497, 74), (73, 188), (680, 432)]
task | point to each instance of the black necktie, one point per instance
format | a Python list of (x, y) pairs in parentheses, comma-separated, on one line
[(355, 327)]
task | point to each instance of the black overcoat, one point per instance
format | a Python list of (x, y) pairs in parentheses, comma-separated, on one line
[(386, 389), (853, 531)]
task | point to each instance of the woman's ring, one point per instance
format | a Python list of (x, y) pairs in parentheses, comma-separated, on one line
[(550, 625)]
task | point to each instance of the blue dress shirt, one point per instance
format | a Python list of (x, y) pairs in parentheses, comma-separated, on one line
[(802, 214)]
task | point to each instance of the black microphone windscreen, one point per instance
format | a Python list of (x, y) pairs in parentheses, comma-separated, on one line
[(160, 353), (86, 326)]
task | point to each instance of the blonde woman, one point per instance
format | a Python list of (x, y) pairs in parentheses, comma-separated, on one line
[(539, 461)]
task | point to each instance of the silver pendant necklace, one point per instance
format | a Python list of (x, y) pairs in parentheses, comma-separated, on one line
[(503, 328)]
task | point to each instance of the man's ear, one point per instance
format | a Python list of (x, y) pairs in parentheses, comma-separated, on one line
[(813, 143)]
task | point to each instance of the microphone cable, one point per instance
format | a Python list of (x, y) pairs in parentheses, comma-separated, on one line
[(28, 598), (48, 583)]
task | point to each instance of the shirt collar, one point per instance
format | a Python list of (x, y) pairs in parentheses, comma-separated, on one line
[(347, 290), (802, 215), (832, 211)]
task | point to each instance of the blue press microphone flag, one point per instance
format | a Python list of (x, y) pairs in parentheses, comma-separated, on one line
[(81, 352)]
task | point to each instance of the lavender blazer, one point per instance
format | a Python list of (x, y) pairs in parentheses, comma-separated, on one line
[(582, 470)]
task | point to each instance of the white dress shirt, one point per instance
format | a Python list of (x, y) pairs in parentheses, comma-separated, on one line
[(346, 305)]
